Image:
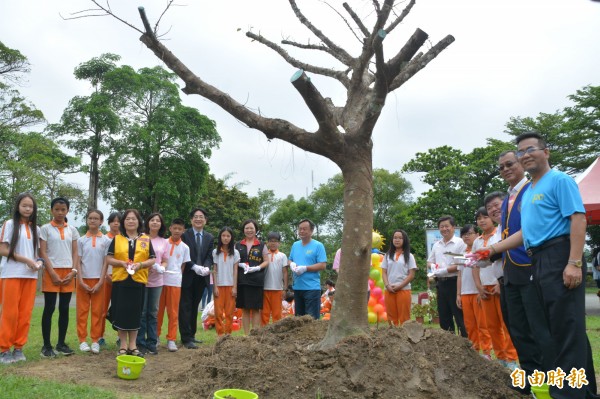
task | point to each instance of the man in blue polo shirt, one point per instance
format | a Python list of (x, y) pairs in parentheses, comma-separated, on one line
[(307, 258), (553, 230)]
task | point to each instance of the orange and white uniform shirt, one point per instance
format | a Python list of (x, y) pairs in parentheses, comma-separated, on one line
[(10, 267), (18, 284), (92, 251), (59, 250), (179, 253)]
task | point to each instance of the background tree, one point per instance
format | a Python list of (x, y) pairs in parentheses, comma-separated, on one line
[(89, 124), (459, 181), (344, 132), (36, 164), (16, 114), (158, 163), (226, 206), (572, 134)]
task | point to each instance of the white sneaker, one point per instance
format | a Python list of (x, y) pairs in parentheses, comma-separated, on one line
[(84, 347), (95, 347), (171, 346)]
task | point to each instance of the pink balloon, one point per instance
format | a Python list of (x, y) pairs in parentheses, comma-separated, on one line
[(376, 292), (371, 284), (381, 301)]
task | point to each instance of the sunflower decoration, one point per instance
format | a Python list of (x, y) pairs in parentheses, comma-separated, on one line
[(378, 241)]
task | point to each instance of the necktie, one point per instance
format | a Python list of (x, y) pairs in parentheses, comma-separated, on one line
[(198, 248)]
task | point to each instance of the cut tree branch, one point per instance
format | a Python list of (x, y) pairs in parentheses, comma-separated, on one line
[(315, 102), (420, 62), (339, 53), (272, 128), (405, 54), (332, 73)]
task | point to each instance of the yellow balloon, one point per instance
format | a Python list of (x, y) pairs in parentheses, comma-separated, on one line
[(375, 260), (372, 317)]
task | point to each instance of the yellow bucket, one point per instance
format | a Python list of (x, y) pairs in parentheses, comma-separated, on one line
[(542, 392), (129, 367), (234, 394)]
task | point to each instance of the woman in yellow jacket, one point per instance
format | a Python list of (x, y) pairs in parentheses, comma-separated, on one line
[(130, 254)]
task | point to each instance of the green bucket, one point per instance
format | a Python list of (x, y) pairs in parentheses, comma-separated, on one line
[(234, 394), (129, 367), (542, 392)]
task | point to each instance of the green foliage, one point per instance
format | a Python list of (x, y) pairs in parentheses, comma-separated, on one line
[(12, 64), (36, 163), (226, 206), (459, 181), (158, 164), (572, 134)]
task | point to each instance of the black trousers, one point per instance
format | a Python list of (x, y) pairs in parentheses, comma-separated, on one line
[(565, 312), (447, 308), (188, 308), (528, 328)]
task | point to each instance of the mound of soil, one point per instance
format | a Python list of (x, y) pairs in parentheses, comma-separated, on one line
[(278, 361)]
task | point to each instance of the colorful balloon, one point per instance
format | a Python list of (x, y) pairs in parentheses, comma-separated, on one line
[(375, 261), (372, 317), (382, 316), (376, 293), (371, 283), (381, 300), (380, 284), (372, 301), (379, 308), (374, 274)]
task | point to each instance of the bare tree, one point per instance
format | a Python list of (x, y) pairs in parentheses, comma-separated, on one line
[(344, 132)]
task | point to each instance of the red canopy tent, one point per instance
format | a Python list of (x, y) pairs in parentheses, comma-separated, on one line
[(589, 187)]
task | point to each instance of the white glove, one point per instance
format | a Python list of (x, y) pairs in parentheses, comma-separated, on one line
[(243, 265), (252, 269), (158, 268), (300, 270), (293, 266), (197, 269), (204, 271)]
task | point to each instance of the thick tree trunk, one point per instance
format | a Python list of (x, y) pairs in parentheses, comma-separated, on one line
[(349, 314)]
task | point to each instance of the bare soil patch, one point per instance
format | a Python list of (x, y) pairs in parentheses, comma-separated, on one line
[(278, 362)]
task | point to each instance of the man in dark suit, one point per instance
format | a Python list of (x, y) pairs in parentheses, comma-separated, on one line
[(195, 276)]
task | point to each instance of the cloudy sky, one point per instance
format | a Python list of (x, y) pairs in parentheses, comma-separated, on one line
[(510, 58)]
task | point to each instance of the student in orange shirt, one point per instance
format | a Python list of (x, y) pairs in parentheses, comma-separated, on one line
[(179, 254), (226, 260), (91, 267), (398, 270), (20, 265), (58, 248), (276, 278)]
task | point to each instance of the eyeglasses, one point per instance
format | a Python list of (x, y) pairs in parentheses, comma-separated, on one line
[(506, 165), (529, 150)]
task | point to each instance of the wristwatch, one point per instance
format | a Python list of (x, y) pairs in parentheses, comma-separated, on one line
[(576, 263)]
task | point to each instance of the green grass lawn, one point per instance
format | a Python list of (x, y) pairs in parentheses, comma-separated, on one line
[(18, 387)]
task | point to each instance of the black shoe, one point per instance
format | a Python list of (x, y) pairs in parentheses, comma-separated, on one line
[(190, 345), (48, 352), (152, 350), (197, 341), (142, 349), (64, 349)]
